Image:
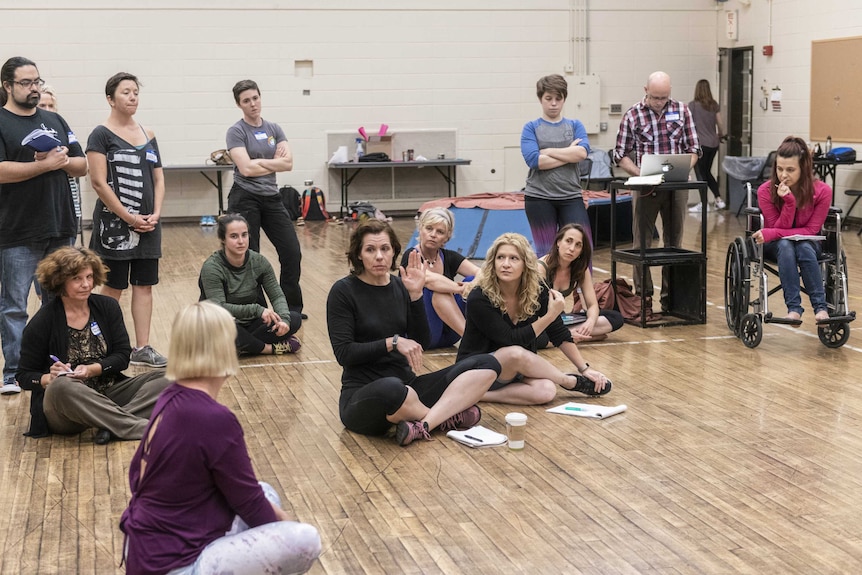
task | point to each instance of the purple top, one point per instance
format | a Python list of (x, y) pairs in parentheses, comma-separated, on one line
[(789, 220), (197, 476)]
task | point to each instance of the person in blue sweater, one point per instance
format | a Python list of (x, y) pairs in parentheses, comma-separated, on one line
[(552, 146)]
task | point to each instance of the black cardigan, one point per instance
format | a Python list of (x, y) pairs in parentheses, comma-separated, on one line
[(48, 333)]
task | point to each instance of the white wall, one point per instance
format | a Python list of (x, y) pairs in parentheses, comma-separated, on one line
[(794, 25), (467, 64)]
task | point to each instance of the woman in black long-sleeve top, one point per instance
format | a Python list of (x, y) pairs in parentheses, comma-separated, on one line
[(377, 327)]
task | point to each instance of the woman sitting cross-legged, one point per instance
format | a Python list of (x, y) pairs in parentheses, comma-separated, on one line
[(510, 306), (377, 327), (74, 351), (444, 304), (196, 506), (235, 278), (793, 203), (567, 268)]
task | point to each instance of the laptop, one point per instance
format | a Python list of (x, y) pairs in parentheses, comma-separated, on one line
[(674, 167)]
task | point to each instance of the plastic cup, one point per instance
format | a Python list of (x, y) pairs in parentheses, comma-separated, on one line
[(516, 430)]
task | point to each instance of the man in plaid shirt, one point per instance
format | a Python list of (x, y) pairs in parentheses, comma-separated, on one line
[(657, 124)]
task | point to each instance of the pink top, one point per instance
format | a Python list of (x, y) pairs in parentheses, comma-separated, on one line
[(790, 221)]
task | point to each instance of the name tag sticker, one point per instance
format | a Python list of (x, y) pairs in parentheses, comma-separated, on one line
[(671, 117), (260, 136), (72, 138), (151, 156), (94, 327)]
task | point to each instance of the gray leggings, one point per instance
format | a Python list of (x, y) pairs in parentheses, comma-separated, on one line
[(286, 547)]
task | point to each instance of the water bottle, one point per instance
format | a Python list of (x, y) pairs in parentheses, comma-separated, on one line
[(359, 150), (828, 144)]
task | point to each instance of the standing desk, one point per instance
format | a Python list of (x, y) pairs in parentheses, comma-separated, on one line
[(218, 183), (446, 168), (687, 268)]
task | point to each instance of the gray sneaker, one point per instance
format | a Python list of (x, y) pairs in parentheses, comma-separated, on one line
[(10, 388), (148, 356)]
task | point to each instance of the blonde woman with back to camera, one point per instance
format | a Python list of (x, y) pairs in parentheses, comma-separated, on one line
[(196, 506)]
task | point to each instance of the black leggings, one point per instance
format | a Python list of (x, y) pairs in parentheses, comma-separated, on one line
[(252, 337), (703, 169), (364, 409)]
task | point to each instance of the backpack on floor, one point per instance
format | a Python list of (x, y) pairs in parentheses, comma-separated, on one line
[(292, 201), (314, 205)]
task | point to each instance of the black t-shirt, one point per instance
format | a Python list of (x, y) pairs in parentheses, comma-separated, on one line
[(451, 261), (39, 208)]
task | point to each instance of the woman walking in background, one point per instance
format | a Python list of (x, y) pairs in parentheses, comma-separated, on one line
[(710, 131), (126, 172)]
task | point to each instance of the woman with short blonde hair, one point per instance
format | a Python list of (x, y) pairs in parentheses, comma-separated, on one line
[(442, 294), (196, 504)]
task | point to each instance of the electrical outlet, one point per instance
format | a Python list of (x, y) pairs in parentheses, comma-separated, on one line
[(603, 126), (615, 109)]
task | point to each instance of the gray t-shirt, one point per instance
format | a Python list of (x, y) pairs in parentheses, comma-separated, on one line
[(563, 182), (259, 142), (704, 125)]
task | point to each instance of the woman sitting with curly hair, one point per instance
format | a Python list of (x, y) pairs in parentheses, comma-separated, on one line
[(511, 306)]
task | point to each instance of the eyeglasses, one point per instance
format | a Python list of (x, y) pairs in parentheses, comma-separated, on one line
[(27, 84), (658, 98)]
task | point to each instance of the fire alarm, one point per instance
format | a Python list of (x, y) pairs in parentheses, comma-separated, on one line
[(767, 50)]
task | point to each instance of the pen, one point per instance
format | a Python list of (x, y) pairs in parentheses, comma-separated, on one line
[(54, 357), (570, 408), (473, 438)]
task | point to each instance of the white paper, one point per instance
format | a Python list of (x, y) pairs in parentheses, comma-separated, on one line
[(588, 410), (645, 180), (798, 237), (478, 436), (340, 156)]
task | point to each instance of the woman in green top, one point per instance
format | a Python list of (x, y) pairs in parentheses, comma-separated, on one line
[(236, 278)]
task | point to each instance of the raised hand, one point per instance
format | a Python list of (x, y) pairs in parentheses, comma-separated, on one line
[(413, 276)]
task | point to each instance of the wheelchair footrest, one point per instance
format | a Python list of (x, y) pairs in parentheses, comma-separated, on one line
[(839, 319), (769, 318)]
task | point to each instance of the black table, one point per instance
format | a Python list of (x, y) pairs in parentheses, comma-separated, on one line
[(687, 268), (827, 168), (349, 171), (218, 183)]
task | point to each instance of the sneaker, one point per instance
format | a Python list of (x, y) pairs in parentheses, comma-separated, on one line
[(586, 386), (10, 388), (290, 345), (719, 204), (147, 356), (103, 437), (697, 208), (406, 432), (464, 420)]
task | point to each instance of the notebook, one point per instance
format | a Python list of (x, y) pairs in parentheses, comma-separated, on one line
[(588, 410), (672, 167), (478, 436)]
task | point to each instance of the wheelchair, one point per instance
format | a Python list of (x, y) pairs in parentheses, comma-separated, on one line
[(746, 288)]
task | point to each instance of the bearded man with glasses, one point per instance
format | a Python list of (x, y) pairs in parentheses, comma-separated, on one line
[(657, 124), (37, 214)]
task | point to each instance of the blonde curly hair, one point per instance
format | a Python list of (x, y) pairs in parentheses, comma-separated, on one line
[(528, 290)]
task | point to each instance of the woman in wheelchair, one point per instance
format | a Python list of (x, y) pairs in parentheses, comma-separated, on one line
[(794, 204)]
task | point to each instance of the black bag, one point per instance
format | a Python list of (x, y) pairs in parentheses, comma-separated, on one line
[(843, 154), (360, 211), (375, 157), (292, 201)]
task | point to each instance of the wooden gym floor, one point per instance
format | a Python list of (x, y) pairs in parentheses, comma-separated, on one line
[(728, 460)]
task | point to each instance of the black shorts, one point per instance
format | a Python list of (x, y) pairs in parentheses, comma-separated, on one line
[(136, 272), (364, 409)]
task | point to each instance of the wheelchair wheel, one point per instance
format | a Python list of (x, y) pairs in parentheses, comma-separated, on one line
[(736, 284), (836, 285), (834, 335), (751, 330)]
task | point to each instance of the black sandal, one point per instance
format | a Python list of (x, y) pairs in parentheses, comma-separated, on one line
[(587, 386)]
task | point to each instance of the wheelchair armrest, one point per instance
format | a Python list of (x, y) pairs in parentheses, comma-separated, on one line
[(835, 210), (752, 211)]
